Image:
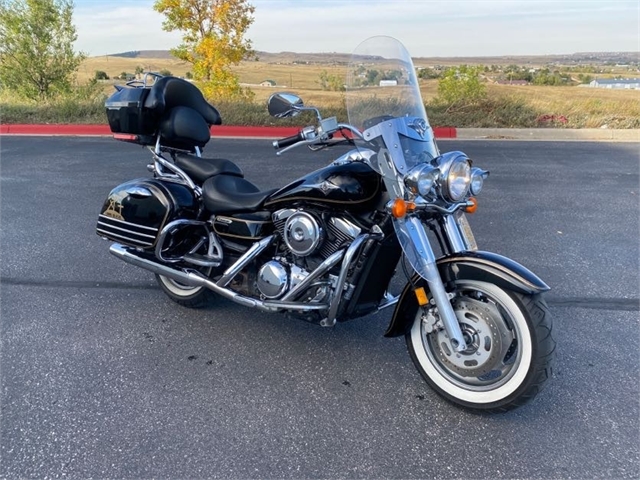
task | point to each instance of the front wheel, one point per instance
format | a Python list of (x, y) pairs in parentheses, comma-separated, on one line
[(510, 349)]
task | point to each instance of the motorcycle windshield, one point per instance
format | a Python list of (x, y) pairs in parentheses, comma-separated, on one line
[(382, 84), (384, 102)]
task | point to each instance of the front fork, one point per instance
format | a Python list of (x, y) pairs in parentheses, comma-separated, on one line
[(426, 267)]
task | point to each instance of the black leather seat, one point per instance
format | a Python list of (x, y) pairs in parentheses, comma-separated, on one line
[(231, 194), (200, 168)]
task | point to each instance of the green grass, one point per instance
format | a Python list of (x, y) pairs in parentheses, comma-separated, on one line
[(70, 109)]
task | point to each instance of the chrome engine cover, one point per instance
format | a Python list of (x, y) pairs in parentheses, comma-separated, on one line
[(273, 279), (302, 233)]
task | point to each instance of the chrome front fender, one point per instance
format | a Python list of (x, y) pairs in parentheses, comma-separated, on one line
[(483, 266)]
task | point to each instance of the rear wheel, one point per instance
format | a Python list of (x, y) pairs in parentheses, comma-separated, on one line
[(510, 349), (185, 295)]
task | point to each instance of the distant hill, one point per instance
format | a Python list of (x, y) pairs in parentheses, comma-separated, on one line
[(161, 54), (333, 58)]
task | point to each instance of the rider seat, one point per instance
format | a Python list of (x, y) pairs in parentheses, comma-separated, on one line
[(232, 194), (200, 168)]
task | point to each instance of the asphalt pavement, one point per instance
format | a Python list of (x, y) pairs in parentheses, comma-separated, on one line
[(102, 376)]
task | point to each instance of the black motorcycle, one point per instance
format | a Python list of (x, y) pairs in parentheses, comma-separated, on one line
[(325, 247)]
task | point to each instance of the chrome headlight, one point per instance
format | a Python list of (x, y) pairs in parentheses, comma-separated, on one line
[(421, 178), (477, 180), (457, 180)]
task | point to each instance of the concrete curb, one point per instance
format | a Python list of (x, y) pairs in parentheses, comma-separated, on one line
[(549, 134), (217, 131), (235, 131)]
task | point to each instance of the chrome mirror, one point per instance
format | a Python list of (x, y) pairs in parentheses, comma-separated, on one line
[(281, 105)]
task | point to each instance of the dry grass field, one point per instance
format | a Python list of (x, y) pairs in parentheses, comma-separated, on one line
[(506, 106)]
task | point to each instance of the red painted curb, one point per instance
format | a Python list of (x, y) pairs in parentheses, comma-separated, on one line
[(218, 131)]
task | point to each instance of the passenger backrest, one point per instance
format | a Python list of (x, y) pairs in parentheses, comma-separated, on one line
[(170, 92)]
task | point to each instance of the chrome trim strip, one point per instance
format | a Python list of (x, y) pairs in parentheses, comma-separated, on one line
[(127, 231), (129, 223), (125, 238)]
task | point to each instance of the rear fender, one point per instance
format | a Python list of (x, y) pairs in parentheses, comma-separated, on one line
[(482, 266)]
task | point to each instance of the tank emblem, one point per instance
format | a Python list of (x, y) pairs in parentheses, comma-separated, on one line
[(114, 210), (327, 186)]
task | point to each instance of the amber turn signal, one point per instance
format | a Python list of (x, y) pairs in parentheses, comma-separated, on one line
[(421, 295), (472, 208), (399, 208)]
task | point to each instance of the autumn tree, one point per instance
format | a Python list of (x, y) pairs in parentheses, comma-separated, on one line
[(213, 40), (37, 58)]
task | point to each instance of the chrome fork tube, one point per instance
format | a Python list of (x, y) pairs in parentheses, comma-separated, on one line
[(431, 274), (453, 234)]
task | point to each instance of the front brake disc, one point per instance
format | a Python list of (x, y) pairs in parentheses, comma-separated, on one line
[(487, 336)]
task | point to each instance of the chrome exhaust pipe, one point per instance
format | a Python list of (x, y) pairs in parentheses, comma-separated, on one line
[(196, 279)]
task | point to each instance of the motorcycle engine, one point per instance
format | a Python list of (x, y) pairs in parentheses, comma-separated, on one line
[(276, 277), (305, 233), (308, 240), (302, 233)]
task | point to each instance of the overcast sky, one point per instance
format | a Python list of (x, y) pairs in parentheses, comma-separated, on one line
[(427, 28)]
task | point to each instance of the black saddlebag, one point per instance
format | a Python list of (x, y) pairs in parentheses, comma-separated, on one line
[(135, 212)]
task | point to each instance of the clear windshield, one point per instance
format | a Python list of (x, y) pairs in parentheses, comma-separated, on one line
[(382, 84), (381, 81), (384, 102)]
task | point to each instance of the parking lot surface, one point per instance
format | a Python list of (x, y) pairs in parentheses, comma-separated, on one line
[(102, 376)]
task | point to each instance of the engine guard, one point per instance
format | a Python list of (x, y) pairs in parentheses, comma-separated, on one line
[(482, 266)]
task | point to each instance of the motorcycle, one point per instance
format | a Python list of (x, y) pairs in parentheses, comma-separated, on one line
[(325, 247)]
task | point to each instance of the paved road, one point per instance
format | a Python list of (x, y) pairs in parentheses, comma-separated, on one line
[(101, 376)]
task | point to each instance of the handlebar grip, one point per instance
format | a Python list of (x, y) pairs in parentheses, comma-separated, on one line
[(285, 142)]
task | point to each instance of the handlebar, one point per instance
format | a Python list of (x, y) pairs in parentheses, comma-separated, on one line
[(287, 141), (314, 135)]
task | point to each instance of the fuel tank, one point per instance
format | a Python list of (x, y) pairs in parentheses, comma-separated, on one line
[(351, 186)]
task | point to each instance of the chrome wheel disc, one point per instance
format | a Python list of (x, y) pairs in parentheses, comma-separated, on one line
[(491, 335)]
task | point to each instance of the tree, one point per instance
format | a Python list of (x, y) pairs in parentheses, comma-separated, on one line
[(213, 40), (101, 75), (461, 86), (165, 73), (36, 46), (331, 82), (139, 70)]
